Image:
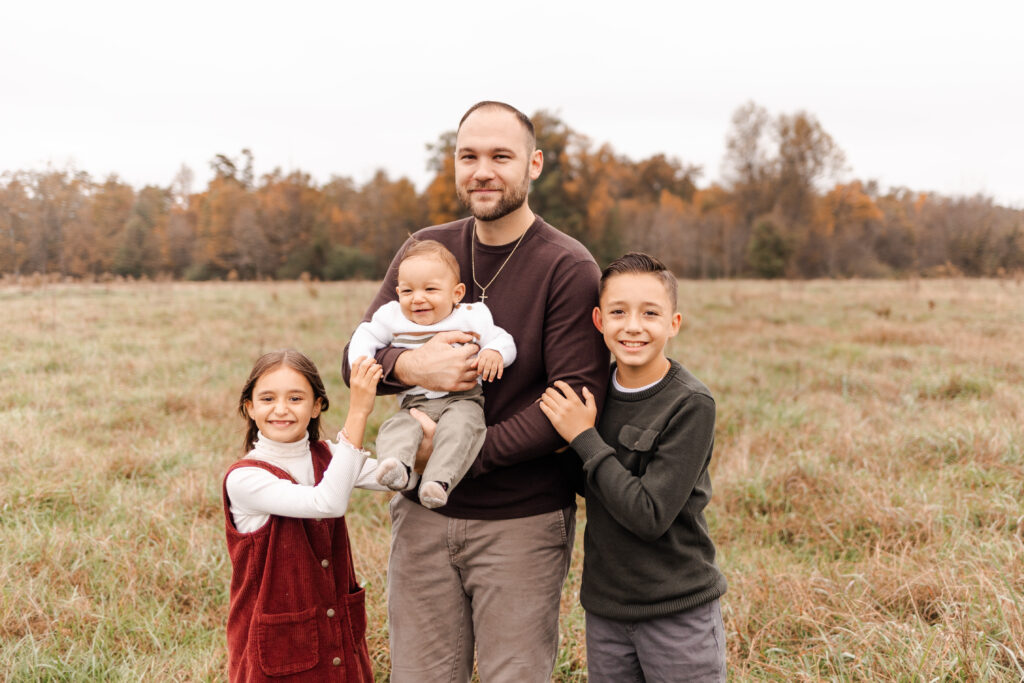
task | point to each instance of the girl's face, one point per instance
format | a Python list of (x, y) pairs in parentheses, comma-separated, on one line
[(282, 404)]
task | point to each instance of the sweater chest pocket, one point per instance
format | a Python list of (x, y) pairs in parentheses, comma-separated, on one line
[(287, 643), (636, 445)]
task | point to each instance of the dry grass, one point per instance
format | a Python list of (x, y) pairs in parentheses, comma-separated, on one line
[(869, 474)]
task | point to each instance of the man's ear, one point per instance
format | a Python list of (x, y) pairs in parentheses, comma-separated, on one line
[(596, 317), (536, 164), (459, 292)]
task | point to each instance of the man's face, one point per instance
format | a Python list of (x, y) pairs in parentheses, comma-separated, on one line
[(494, 163)]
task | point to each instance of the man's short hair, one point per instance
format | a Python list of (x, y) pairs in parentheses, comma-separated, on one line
[(531, 135), (435, 249), (637, 263)]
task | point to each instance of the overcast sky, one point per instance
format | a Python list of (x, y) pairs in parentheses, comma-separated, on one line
[(928, 96)]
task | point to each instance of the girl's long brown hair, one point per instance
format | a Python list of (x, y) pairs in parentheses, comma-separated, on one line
[(300, 364)]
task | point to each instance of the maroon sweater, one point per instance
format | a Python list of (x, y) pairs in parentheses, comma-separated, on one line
[(543, 297), (297, 612)]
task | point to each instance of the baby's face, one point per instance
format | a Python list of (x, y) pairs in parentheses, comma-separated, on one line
[(427, 289)]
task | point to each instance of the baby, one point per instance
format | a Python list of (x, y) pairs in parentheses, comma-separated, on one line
[(429, 292)]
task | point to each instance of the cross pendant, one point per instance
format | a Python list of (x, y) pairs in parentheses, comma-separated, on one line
[(483, 298)]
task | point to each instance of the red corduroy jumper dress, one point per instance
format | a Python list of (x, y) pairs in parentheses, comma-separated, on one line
[(297, 612)]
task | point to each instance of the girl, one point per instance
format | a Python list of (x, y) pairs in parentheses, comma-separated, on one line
[(296, 608)]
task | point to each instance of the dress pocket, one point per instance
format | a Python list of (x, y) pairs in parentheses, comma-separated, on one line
[(355, 603), (287, 643)]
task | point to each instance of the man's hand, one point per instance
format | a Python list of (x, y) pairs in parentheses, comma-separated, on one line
[(568, 414), (439, 366), (489, 365), (427, 443)]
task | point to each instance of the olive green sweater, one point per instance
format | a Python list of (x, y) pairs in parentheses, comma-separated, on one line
[(647, 552)]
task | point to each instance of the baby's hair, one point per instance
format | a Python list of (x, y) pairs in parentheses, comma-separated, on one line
[(272, 361), (637, 263), (435, 249)]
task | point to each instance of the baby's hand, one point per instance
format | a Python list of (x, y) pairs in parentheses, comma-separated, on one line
[(568, 414), (489, 365), (366, 373)]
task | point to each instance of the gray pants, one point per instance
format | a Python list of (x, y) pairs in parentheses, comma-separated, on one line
[(686, 646), (457, 441), (490, 583)]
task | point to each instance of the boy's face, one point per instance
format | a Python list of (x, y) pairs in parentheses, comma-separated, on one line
[(637, 320), (427, 289)]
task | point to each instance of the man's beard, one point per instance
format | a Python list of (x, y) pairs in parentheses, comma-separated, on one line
[(511, 199)]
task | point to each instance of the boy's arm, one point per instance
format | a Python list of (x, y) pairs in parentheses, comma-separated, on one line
[(647, 505)]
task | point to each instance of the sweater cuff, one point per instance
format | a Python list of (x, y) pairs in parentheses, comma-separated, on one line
[(588, 444)]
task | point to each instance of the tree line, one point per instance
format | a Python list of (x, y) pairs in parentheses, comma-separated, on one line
[(781, 210)]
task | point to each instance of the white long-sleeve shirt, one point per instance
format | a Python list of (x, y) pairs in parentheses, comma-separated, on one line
[(255, 494), (388, 327)]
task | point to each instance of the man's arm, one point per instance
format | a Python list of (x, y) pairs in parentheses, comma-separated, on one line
[(573, 352)]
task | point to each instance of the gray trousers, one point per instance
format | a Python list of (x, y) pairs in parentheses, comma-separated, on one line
[(493, 584), (686, 646), (457, 441)]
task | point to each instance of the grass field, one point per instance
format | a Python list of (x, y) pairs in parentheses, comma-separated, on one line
[(869, 475)]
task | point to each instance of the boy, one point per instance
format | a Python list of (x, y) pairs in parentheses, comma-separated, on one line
[(429, 293), (650, 583)]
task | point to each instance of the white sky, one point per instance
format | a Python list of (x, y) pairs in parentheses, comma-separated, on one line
[(925, 95)]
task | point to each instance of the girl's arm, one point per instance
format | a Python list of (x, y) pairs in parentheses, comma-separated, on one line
[(255, 494)]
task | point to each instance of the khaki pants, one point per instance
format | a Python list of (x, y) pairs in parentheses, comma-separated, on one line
[(457, 441), (458, 583)]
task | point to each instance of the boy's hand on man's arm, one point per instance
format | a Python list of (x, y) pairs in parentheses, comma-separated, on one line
[(489, 365), (569, 415)]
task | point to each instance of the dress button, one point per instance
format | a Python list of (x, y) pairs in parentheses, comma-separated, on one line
[(337, 661), (325, 563), (330, 612)]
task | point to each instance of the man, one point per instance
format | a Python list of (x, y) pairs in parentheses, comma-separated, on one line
[(487, 568)]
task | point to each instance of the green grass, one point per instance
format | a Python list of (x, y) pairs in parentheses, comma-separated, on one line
[(869, 473)]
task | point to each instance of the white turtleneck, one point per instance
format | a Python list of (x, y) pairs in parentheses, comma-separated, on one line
[(255, 494)]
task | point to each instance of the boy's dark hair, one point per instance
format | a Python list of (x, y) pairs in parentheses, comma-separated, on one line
[(272, 361), (636, 262), (432, 248), (523, 119)]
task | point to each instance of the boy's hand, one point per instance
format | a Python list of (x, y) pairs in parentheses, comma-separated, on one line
[(568, 414), (489, 365), (366, 372)]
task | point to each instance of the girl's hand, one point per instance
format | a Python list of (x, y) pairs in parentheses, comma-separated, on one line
[(489, 365), (366, 373), (568, 414)]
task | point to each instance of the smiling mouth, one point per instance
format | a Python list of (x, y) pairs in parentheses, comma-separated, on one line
[(633, 344)]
